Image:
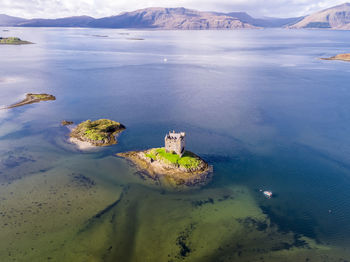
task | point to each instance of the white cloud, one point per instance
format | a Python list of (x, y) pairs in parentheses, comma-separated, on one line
[(100, 8)]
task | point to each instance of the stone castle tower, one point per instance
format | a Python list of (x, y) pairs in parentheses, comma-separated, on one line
[(175, 142)]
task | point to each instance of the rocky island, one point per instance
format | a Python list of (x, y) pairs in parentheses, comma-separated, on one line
[(97, 133), (341, 57), (171, 164), (66, 123), (33, 98), (13, 41)]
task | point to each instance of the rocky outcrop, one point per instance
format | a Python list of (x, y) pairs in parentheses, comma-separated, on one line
[(66, 123), (33, 98), (341, 57), (13, 41), (101, 132)]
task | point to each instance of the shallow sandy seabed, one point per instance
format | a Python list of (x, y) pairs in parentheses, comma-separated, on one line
[(82, 145), (219, 225), (99, 215), (46, 211)]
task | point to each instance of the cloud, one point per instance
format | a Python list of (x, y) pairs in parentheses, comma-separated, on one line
[(100, 8)]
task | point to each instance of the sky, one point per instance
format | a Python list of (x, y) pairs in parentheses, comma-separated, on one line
[(101, 8)]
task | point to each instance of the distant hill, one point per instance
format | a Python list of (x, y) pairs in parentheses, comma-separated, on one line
[(337, 17), (266, 21), (171, 18), (6, 20), (165, 18), (74, 21)]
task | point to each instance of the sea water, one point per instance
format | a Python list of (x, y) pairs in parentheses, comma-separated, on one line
[(258, 105)]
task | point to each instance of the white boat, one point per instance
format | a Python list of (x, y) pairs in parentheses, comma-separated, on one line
[(267, 194)]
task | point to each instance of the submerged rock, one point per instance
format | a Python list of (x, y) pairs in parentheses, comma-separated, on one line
[(67, 123)]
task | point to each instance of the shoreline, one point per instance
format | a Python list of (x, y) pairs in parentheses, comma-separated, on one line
[(82, 145)]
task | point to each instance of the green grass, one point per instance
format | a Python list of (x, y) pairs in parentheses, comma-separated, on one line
[(95, 135), (188, 160), (12, 41), (39, 96)]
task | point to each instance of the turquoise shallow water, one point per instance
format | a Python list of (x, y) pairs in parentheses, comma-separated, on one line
[(258, 105)]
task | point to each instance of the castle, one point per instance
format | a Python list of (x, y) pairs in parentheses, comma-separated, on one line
[(175, 142)]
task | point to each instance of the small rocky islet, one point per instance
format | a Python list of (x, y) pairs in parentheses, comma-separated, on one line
[(13, 41), (66, 123), (97, 133), (157, 164), (171, 163), (340, 57), (31, 99)]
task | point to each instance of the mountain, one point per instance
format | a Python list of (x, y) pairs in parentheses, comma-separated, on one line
[(74, 21), (171, 18), (6, 20), (266, 21), (337, 17), (163, 18)]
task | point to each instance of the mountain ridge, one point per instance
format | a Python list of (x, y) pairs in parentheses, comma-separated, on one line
[(73, 21), (171, 18), (6, 20), (336, 17), (180, 18)]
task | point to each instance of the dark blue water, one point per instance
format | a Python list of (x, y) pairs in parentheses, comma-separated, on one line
[(259, 105)]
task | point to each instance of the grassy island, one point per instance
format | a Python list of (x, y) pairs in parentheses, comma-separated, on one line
[(33, 98), (342, 57), (101, 132), (169, 168), (13, 41)]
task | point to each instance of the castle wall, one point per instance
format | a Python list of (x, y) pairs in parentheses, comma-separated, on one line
[(175, 144)]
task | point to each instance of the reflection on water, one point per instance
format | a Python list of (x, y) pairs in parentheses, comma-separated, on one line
[(261, 122)]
